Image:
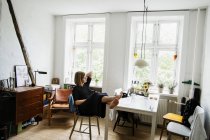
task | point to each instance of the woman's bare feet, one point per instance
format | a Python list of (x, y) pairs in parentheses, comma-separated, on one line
[(114, 103), (119, 96)]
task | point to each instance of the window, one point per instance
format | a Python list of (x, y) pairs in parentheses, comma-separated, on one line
[(160, 48), (87, 49)]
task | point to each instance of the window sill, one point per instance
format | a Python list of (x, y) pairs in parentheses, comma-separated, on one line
[(164, 95)]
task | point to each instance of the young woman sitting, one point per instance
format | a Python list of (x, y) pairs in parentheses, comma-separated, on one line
[(90, 102)]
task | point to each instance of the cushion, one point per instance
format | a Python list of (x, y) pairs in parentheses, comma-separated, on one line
[(173, 117), (60, 106), (179, 129)]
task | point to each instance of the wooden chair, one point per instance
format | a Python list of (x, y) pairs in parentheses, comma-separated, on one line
[(170, 117), (58, 101), (74, 109)]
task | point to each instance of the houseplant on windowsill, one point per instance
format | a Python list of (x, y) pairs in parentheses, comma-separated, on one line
[(171, 87), (96, 81), (160, 87)]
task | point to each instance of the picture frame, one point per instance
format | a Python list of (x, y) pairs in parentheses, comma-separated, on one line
[(21, 76)]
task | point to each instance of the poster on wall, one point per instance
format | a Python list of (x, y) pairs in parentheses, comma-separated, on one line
[(21, 75)]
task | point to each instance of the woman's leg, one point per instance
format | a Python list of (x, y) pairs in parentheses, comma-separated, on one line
[(106, 99)]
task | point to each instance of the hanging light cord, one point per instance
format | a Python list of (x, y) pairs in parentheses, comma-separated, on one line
[(144, 28), (145, 35), (142, 36)]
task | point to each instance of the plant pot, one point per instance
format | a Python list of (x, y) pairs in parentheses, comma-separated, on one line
[(171, 91), (160, 90)]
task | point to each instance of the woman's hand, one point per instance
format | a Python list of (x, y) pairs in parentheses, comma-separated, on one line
[(89, 74)]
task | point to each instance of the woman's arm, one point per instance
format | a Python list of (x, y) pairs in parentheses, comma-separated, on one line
[(79, 102), (89, 78)]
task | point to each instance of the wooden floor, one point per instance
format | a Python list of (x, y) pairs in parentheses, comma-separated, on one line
[(62, 124)]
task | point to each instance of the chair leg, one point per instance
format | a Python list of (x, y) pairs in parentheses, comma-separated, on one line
[(80, 127), (163, 127), (49, 115), (75, 116), (73, 127), (98, 126), (117, 121), (169, 136), (90, 127)]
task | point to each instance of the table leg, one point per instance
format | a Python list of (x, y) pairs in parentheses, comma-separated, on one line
[(153, 126), (106, 123)]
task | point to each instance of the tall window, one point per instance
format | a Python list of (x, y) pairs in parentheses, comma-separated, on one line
[(161, 46), (88, 49)]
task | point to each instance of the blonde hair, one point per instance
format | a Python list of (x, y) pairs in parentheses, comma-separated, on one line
[(78, 77)]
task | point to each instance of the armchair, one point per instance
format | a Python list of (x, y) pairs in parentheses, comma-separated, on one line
[(58, 101), (196, 130)]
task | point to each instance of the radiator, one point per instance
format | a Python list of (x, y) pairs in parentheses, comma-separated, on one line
[(164, 107)]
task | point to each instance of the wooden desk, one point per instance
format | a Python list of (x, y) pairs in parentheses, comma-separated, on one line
[(27, 103)]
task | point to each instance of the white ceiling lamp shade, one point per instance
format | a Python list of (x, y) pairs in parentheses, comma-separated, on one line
[(141, 62)]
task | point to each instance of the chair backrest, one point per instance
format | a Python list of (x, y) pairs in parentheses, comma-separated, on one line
[(62, 95), (197, 124), (198, 114)]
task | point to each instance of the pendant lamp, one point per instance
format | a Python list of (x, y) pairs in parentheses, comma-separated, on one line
[(141, 63)]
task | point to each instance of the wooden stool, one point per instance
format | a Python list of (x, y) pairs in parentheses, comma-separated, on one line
[(170, 117)]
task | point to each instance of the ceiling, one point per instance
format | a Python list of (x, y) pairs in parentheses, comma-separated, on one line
[(63, 7)]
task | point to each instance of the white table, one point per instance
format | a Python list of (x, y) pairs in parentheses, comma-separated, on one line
[(137, 104)]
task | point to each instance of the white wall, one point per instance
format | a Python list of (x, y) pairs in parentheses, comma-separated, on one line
[(60, 48), (37, 30), (205, 96), (116, 52)]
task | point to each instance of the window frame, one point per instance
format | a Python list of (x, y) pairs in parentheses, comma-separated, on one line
[(89, 46), (155, 46)]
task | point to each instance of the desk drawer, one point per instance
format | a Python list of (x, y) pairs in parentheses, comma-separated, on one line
[(26, 112), (31, 100), (29, 95)]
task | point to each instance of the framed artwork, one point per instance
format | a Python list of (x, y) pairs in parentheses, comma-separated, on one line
[(21, 75)]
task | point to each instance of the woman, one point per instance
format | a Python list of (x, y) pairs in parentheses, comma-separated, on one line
[(88, 101)]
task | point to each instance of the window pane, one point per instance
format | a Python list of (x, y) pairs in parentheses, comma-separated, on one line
[(143, 74), (165, 67), (168, 33), (98, 32), (81, 34), (149, 32), (80, 59), (97, 65)]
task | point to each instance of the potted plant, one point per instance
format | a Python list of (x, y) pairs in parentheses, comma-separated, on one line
[(160, 87), (96, 81), (171, 87)]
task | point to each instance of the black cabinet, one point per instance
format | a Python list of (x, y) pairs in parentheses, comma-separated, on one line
[(7, 107)]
